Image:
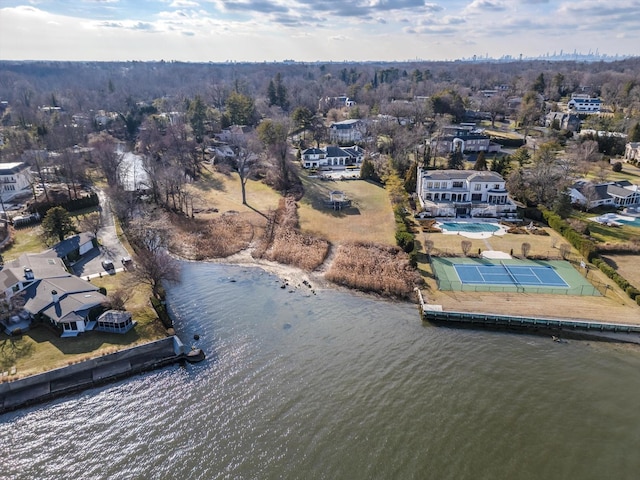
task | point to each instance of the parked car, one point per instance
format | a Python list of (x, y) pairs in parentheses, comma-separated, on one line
[(126, 261), (108, 264)]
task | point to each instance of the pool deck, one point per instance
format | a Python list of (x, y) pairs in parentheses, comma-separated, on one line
[(475, 235)]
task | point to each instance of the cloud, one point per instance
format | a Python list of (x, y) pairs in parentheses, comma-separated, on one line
[(184, 4), (478, 6)]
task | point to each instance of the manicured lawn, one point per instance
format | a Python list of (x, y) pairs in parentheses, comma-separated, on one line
[(370, 217), (26, 240)]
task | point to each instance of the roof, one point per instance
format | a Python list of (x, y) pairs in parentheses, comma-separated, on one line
[(313, 151), (71, 244), (10, 168), (619, 191), (74, 294), (345, 124), (114, 316), (43, 265), (470, 175)]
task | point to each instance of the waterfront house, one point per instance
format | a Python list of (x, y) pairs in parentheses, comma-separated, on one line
[(455, 193), (39, 286), (332, 156), (590, 195)]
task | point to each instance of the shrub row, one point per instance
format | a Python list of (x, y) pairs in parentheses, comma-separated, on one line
[(508, 142), (622, 282), (585, 246), (70, 206), (404, 238)]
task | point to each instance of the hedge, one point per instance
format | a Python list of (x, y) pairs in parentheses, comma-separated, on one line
[(508, 142), (588, 250), (70, 206), (585, 246)]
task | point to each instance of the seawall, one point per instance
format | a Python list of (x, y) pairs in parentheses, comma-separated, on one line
[(90, 373), (558, 327)]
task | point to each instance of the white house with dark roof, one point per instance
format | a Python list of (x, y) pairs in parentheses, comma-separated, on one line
[(583, 103), (632, 151), (40, 287), (614, 194), (332, 156), (346, 132), (15, 177), (454, 193)]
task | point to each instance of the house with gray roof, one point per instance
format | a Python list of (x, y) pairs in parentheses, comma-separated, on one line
[(346, 132), (465, 138), (332, 156), (590, 195), (462, 193), (38, 286)]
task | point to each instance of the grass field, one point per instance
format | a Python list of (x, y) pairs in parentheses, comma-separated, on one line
[(370, 218)]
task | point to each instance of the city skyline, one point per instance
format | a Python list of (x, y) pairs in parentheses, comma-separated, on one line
[(314, 30)]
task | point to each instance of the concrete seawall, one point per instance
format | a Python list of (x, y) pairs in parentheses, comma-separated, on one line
[(569, 328), (90, 373)]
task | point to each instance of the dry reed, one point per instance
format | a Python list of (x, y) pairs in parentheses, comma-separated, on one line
[(370, 267), (284, 243), (198, 239)]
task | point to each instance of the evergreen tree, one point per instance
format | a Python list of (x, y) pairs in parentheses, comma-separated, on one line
[(562, 205), (57, 223), (411, 178), (456, 160), (634, 133), (367, 170), (481, 162), (197, 118)]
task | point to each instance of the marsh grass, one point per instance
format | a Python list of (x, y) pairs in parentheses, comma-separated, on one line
[(284, 243), (199, 239), (370, 267)]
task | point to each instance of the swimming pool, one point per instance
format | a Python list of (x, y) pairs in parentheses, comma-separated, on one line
[(632, 223), (469, 227)]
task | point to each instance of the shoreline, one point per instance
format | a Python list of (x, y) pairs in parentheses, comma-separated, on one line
[(472, 302)]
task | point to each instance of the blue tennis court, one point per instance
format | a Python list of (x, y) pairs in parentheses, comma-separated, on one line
[(501, 274)]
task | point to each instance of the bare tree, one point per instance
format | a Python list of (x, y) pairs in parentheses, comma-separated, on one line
[(91, 222), (246, 149), (155, 267), (466, 247), (565, 248), (526, 247), (105, 153)]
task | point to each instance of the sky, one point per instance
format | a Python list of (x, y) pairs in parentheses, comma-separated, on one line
[(313, 30)]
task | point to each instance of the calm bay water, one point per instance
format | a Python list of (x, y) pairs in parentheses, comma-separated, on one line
[(337, 386)]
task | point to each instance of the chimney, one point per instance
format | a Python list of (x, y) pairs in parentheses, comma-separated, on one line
[(54, 296)]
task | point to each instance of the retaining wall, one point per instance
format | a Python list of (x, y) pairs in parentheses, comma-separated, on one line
[(90, 373)]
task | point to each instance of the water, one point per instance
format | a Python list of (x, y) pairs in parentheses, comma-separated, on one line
[(337, 386), (469, 227)]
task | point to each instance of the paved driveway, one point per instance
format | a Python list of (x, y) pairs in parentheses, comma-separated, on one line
[(110, 247)]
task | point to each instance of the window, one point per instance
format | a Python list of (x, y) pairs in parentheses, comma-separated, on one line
[(457, 184), (477, 187), (496, 186)]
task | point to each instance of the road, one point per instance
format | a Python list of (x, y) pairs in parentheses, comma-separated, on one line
[(110, 246)]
